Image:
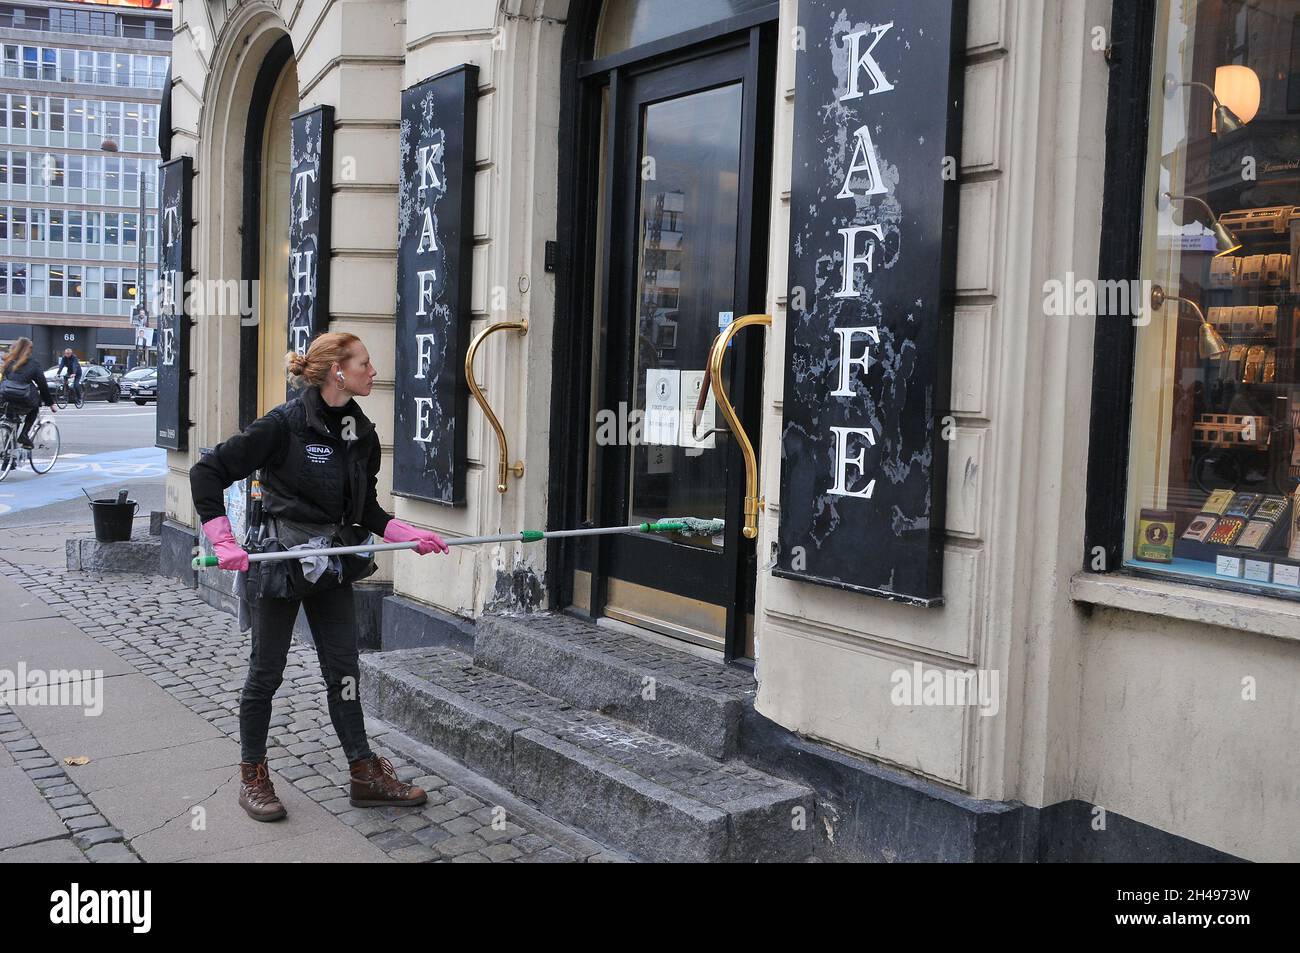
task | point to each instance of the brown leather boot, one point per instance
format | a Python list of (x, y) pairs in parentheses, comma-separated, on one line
[(257, 793), (375, 784)]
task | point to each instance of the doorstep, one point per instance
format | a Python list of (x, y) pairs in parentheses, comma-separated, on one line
[(651, 796)]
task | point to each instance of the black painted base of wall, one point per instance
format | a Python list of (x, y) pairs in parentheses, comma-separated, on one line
[(408, 624), (369, 604), (178, 544), (871, 813)]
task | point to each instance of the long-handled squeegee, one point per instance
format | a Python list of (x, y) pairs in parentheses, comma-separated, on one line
[(684, 526)]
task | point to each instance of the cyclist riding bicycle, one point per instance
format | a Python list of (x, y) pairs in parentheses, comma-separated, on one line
[(23, 387), (71, 367)]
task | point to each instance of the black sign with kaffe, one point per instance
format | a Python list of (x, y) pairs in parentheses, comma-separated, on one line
[(173, 341), (873, 224), (435, 240), (311, 141)]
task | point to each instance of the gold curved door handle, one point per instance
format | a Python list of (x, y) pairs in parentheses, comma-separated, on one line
[(503, 467), (713, 382)]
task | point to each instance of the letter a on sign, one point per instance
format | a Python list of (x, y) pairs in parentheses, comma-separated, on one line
[(864, 160)]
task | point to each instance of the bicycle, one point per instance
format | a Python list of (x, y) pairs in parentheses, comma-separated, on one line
[(46, 443), (62, 398)]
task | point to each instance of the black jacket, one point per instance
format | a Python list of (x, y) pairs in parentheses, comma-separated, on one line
[(309, 473), (30, 374), (73, 365)]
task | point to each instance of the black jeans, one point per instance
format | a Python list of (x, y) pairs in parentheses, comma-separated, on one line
[(333, 628), (32, 414)]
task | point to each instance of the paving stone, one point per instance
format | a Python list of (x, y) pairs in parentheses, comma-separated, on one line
[(411, 822), (311, 782), (439, 814), (338, 805), (114, 852), (80, 810), (498, 853), (431, 835), (98, 835), (371, 826), (495, 835), (530, 843), (471, 858), (462, 825), (460, 844), (464, 805), (392, 839), (85, 823), (414, 854), (296, 772), (548, 855)]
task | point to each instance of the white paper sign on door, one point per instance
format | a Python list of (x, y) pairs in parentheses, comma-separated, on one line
[(662, 393), (692, 383)]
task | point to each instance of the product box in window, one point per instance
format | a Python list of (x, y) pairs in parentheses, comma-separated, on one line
[(1194, 541), (1268, 526), (1232, 523)]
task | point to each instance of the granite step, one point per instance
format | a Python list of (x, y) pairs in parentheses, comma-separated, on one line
[(668, 692), (650, 796)]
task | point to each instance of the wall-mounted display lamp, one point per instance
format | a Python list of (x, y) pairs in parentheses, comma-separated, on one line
[(1224, 239), (1235, 94), (1211, 344)]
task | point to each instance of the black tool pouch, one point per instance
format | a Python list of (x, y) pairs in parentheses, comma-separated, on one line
[(284, 578)]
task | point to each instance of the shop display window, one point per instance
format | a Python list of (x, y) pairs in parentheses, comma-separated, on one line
[(1214, 461)]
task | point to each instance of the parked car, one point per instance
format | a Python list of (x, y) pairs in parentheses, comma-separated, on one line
[(140, 385), (96, 383)]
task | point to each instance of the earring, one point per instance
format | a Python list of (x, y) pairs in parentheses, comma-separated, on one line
[(342, 379)]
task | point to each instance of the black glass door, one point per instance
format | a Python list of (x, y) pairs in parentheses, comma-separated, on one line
[(679, 268)]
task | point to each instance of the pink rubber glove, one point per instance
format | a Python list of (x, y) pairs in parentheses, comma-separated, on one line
[(229, 553), (398, 532)]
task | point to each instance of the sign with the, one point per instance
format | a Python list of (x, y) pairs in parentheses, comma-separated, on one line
[(311, 144), (173, 338), (435, 240), (873, 226)]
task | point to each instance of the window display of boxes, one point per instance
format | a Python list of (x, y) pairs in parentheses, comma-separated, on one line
[(1277, 268), (1232, 430), (1223, 271), (1251, 274), (1245, 319)]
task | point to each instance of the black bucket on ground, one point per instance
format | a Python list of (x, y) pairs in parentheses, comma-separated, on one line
[(113, 519)]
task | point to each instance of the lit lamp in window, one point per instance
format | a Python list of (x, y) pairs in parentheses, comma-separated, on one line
[(1235, 95), (1224, 240), (1237, 89), (1211, 342)]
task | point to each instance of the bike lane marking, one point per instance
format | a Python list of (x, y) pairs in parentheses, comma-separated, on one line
[(25, 490)]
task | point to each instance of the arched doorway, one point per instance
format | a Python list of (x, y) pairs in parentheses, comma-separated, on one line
[(273, 291), (666, 129), (265, 245)]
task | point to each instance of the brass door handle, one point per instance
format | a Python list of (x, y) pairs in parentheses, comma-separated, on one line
[(713, 381), (503, 467)]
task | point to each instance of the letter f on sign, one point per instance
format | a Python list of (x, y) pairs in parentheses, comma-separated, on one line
[(847, 360)]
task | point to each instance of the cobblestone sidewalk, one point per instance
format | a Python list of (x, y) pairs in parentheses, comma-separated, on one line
[(163, 631)]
